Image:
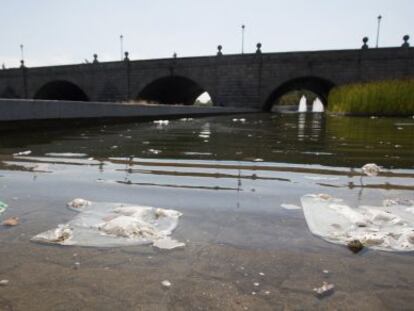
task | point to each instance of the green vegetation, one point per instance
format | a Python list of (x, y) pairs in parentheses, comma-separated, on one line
[(395, 97)]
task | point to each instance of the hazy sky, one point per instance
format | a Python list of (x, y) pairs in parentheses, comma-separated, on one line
[(68, 31)]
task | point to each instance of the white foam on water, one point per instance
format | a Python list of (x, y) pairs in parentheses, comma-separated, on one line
[(387, 228), (114, 224)]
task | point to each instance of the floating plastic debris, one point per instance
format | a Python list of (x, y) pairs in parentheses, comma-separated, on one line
[(167, 243), (325, 290), (371, 169), (11, 222), (114, 224), (186, 119), (355, 246), (154, 151), (387, 228), (256, 284), (22, 153), (391, 202), (290, 206), (166, 284), (4, 282), (79, 204), (241, 120), (161, 122), (3, 207)]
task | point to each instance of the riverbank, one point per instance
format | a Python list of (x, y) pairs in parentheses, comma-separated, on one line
[(385, 98)]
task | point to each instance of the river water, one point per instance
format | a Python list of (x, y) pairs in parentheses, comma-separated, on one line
[(229, 176)]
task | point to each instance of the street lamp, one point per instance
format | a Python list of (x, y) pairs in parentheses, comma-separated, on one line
[(121, 39), (378, 28), (243, 28), (22, 51)]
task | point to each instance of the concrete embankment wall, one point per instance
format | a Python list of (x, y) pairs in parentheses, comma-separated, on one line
[(31, 110)]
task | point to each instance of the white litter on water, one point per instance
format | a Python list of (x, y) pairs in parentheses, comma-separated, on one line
[(154, 151), (4, 282), (78, 203), (325, 290), (166, 284), (371, 169), (386, 228), (66, 154), (162, 122), (290, 206), (22, 153), (114, 224), (241, 120)]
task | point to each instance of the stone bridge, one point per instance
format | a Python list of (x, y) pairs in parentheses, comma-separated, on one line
[(249, 80)]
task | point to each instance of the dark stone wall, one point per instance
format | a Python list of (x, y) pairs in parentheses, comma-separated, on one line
[(247, 80)]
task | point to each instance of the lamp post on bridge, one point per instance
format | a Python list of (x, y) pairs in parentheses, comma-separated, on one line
[(121, 39), (378, 29), (22, 52), (243, 27)]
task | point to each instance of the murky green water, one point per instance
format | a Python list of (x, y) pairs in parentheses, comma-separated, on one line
[(229, 178)]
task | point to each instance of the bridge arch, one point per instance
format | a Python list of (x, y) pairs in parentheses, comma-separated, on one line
[(61, 90), (172, 90), (316, 85)]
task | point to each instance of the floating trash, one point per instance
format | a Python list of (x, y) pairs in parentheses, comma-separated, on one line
[(78, 203), (4, 282), (161, 122), (387, 228), (325, 290), (166, 284), (11, 222), (3, 207), (392, 202), (355, 246), (241, 120), (22, 153), (114, 224), (154, 151), (371, 169), (290, 206)]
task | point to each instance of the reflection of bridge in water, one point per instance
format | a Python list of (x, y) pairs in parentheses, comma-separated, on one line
[(249, 80)]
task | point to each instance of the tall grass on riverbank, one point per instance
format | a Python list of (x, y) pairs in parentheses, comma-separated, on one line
[(394, 97)]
